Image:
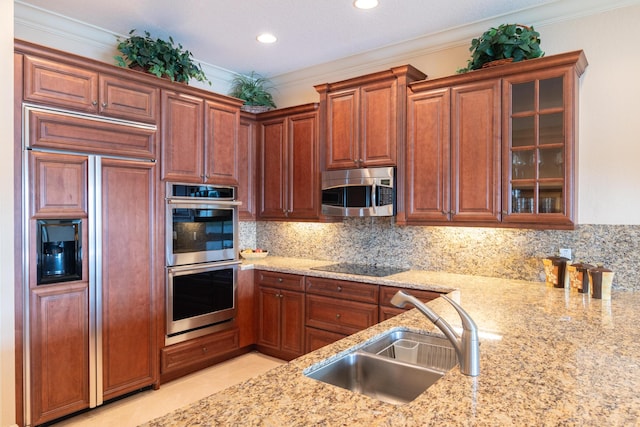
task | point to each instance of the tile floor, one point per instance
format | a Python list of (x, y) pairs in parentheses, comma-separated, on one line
[(144, 406)]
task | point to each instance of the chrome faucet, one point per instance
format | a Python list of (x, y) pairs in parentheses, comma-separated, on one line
[(467, 346)]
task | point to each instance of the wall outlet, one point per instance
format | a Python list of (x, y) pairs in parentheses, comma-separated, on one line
[(565, 252)]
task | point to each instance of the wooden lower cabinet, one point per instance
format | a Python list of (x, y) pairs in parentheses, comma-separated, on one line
[(59, 351), (337, 308), (178, 359), (280, 311), (388, 310)]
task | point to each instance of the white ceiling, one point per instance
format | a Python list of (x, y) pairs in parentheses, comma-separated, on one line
[(310, 32)]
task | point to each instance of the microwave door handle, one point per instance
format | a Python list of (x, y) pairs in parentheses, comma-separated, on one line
[(374, 196)]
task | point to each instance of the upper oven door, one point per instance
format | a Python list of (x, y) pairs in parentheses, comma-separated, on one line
[(201, 232)]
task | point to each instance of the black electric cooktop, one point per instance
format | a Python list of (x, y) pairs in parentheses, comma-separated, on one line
[(360, 269)]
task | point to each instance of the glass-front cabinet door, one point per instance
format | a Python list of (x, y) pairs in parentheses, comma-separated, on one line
[(539, 128)]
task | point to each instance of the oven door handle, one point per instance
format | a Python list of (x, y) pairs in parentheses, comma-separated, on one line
[(202, 202), (200, 267)]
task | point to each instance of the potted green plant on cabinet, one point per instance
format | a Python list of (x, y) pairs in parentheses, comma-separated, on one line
[(159, 57), (254, 91), (507, 43)]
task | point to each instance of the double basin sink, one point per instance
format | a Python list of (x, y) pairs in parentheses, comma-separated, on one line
[(396, 367)]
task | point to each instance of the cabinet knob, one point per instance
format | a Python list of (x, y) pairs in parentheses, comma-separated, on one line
[(104, 105), (337, 315), (280, 280), (94, 103), (339, 288), (204, 349)]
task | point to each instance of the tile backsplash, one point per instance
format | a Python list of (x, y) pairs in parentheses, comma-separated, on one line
[(495, 252)]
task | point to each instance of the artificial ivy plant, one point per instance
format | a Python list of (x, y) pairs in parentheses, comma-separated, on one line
[(159, 57), (509, 41)]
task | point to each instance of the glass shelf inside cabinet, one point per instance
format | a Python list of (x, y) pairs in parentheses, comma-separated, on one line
[(526, 200)]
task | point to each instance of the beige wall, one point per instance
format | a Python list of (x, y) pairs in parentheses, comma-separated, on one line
[(7, 361)]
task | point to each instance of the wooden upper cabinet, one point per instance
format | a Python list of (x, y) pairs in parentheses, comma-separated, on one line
[(59, 185), (428, 162), (182, 130), (364, 118), (475, 152), (221, 143), (289, 180), (54, 83), (539, 156), (495, 146), (247, 134), (453, 154), (199, 139)]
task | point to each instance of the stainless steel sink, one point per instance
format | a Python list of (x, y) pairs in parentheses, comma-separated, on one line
[(395, 368), (431, 351)]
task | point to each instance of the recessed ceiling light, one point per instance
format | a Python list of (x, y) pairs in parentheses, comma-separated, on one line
[(365, 4), (266, 38)]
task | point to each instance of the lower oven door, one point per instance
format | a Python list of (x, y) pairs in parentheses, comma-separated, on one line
[(200, 296)]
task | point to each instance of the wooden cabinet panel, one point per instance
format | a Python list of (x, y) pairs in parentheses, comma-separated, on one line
[(280, 314), (221, 143), (198, 350), (182, 137), (289, 178), (304, 174), (280, 280), (59, 185), (337, 315), (59, 350), (64, 132), (128, 297), (273, 167), (52, 83), (129, 100), (246, 168), (354, 291), (428, 175), (57, 84), (342, 145), (292, 318), (317, 338), (245, 318), (378, 135), (269, 317), (475, 152)]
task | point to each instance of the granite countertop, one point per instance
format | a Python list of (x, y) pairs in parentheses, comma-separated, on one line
[(547, 357)]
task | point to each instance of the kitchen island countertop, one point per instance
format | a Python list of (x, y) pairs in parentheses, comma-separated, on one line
[(547, 357)]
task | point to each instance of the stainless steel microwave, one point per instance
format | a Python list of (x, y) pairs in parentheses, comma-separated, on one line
[(359, 192)]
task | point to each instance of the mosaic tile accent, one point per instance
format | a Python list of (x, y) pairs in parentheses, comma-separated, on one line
[(492, 252)]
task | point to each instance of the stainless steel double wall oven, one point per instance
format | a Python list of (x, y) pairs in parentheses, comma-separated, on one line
[(202, 259)]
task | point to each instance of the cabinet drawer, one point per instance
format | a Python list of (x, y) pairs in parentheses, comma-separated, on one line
[(197, 350), (337, 315), (354, 291), (387, 292), (280, 280)]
